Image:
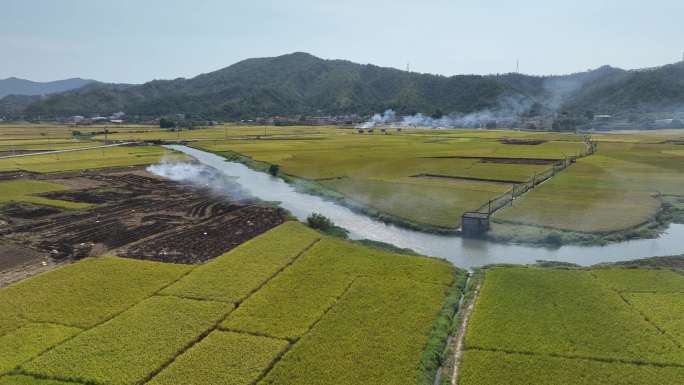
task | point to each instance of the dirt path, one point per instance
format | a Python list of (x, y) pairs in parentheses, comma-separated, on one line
[(460, 337)]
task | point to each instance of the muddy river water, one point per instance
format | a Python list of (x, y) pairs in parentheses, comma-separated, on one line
[(460, 251)]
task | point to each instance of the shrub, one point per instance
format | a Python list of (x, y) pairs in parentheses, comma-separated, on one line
[(273, 169), (319, 222), (553, 238)]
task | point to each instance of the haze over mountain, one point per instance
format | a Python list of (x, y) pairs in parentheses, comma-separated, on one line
[(16, 86), (300, 83)]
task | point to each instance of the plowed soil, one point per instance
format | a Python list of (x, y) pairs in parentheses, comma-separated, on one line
[(137, 215)]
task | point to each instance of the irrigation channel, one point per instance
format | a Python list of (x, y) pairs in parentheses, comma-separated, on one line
[(462, 252)]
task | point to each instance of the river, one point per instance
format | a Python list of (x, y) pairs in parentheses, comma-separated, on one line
[(462, 252)]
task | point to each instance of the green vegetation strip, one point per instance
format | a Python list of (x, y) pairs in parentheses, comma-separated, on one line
[(88, 292), (234, 275), (487, 368), (130, 347), (28, 341), (223, 358), (24, 190)]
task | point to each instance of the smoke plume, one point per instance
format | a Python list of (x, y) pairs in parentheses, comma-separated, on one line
[(505, 114), (200, 177)]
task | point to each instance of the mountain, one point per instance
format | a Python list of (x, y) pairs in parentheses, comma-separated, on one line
[(300, 83), (292, 84), (658, 89), (16, 86)]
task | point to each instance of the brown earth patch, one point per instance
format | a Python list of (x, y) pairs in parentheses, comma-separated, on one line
[(142, 216)]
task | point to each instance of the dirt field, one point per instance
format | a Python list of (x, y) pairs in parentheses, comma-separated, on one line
[(134, 214)]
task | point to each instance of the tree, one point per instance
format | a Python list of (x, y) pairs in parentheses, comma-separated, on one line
[(274, 169), (437, 114), (319, 222), (166, 123)]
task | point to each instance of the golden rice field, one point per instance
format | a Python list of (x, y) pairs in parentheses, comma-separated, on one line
[(288, 307)]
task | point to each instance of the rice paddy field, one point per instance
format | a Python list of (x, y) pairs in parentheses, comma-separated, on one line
[(120, 156), (288, 307), (563, 326), (425, 177), (617, 188), (429, 178), (422, 178)]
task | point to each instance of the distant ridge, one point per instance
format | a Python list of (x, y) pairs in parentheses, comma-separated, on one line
[(16, 86), (302, 84)]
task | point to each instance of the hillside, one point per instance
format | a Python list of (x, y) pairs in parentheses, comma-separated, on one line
[(16, 86), (297, 83), (300, 83)]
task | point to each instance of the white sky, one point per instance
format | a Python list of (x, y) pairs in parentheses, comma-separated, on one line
[(137, 41)]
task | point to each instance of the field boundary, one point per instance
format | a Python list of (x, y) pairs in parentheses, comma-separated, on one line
[(17, 369), (67, 150), (217, 324), (470, 178), (644, 316), (459, 343), (520, 189), (577, 357)]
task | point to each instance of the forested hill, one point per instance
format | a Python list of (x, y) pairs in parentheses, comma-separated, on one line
[(16, 86), (300, 83)]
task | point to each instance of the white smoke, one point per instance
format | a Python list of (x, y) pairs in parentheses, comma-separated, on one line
[(201, 177), (388, 117), (506, 114)]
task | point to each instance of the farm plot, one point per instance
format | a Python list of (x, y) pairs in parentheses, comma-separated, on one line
[(553, 326), (145, 217), (26, 190), (420, 179), (383, 312), (122, 156), (615, 189), (218, 133)]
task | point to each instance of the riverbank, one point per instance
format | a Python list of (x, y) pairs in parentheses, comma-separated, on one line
[(312, 187), (670, 212)]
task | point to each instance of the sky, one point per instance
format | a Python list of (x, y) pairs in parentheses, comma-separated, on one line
[(129, 41)]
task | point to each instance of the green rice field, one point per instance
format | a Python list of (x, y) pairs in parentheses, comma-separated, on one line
[(89, 159), (288, 307), (423, 177), (559, 326), (27, 190), (615, 189)]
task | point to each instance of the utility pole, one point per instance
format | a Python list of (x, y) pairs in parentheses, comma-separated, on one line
[(517, 66)]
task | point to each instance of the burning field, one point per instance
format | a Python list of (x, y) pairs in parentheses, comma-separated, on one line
[(130, 212)]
